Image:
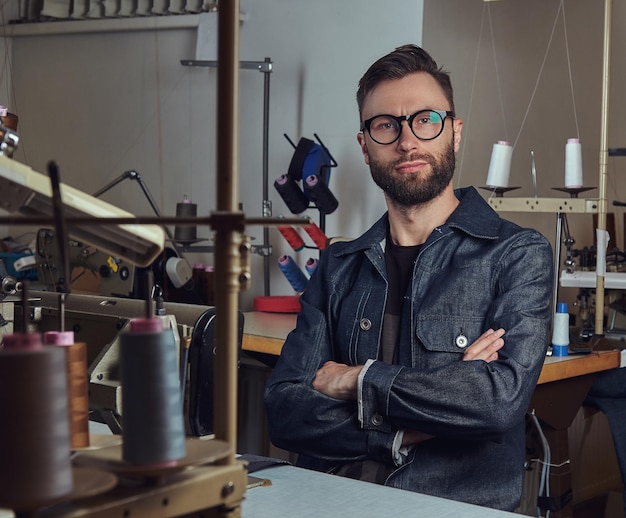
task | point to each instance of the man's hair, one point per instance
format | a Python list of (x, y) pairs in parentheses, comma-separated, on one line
[(399, 63)]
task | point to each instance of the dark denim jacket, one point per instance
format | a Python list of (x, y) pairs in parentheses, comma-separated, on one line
[(477, 271)]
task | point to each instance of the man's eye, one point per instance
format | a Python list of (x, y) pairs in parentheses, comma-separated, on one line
[(384, 125)]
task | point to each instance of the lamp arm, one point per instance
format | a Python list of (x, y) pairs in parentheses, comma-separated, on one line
[(134, 175)]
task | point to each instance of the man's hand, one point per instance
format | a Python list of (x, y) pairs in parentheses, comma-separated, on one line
[(337, 380), (411, 437), (485, 347)]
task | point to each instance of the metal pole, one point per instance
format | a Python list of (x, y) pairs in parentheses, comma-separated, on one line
[(267, 205), (557, 260), (602, 201), (227, 234)]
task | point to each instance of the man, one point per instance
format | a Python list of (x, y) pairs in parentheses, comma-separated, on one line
[(399, 370)]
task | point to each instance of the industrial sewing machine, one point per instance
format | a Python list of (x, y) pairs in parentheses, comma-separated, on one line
[(98, 321), (580, 272)]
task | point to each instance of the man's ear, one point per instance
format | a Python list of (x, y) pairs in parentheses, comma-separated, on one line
[(457, 127), (361, 140)]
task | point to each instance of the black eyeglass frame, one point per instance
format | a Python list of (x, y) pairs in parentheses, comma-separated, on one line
[(444, 114)]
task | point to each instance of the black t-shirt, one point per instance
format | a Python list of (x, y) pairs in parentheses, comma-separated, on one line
[(399, 261)]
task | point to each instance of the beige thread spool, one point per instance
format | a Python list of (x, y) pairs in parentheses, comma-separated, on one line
[(77, 384)]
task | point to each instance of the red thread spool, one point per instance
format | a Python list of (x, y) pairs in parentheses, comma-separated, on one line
[(317, 235), (292, 237)]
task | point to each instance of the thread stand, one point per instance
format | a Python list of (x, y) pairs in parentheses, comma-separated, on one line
[(499, 191), (573, 191)]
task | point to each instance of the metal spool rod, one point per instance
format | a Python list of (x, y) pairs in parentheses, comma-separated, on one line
[(228, 227)]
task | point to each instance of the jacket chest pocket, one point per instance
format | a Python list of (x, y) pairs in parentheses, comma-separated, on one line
[(447, 335)]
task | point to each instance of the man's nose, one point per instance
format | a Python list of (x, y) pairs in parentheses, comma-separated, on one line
[(407, 139)]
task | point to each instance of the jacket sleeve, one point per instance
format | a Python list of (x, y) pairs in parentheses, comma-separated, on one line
[(303, 420), (474, 398)]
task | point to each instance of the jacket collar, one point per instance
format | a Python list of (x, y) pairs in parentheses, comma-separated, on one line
[(473, 216)]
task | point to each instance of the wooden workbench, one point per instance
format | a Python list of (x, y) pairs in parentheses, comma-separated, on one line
[(266, 332)]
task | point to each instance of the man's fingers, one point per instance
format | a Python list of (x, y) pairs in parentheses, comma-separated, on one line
[(486, 346)]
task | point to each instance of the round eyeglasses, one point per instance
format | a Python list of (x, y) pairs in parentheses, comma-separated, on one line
[(425, 125)]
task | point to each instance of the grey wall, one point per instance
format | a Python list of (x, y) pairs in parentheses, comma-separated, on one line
[(103, 103)]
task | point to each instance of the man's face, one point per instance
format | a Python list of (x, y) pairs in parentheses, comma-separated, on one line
[(410, 171)]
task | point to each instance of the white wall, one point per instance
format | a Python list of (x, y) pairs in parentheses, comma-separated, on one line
[(103, 103)]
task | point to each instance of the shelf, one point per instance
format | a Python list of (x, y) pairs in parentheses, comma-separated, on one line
[(548, 205), (580, 279), (96, 25)]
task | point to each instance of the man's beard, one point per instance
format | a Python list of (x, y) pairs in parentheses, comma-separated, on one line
[(408, 190)]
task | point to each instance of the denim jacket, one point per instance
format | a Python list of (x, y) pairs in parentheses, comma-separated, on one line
[(475, 272)]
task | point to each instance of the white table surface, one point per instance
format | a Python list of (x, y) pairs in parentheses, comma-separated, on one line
[(296, 492)]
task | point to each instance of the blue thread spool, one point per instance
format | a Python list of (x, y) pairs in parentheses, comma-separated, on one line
[(310, 265), (560, 331), (294, 275)]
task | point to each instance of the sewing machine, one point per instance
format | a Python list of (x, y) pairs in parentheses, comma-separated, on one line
[(98, 321)]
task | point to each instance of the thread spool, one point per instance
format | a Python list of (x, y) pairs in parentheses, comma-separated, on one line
[(294, 274), (152, 417), (35, 460), (500, 165), (9, 120), (321, 195), (292, 237), (77, 384), (186, 233), (317, 235), (573, 163), (310, 265), (209, 285), (291, 194), (560, 331)]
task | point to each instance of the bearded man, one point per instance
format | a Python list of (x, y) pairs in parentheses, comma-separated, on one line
[(418, 344)]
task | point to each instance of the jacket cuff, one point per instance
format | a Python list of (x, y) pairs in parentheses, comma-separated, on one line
[(380, 447), (373, 390)]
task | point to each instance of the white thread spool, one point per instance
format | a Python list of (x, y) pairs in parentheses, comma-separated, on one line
[(560, 331), (500, 165), (573, 163)]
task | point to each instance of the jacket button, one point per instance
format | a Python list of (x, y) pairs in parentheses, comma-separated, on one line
[(377, 419), (461, 341), (365, 324)]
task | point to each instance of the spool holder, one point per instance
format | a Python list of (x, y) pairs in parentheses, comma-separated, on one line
[(573, 191), (333, 163), (499, 191)]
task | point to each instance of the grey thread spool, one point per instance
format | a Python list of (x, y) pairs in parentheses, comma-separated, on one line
[(35, 457), (152, 417), (186, 233)]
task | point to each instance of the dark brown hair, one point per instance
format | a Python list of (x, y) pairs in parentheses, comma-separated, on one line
[(399, 63)]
